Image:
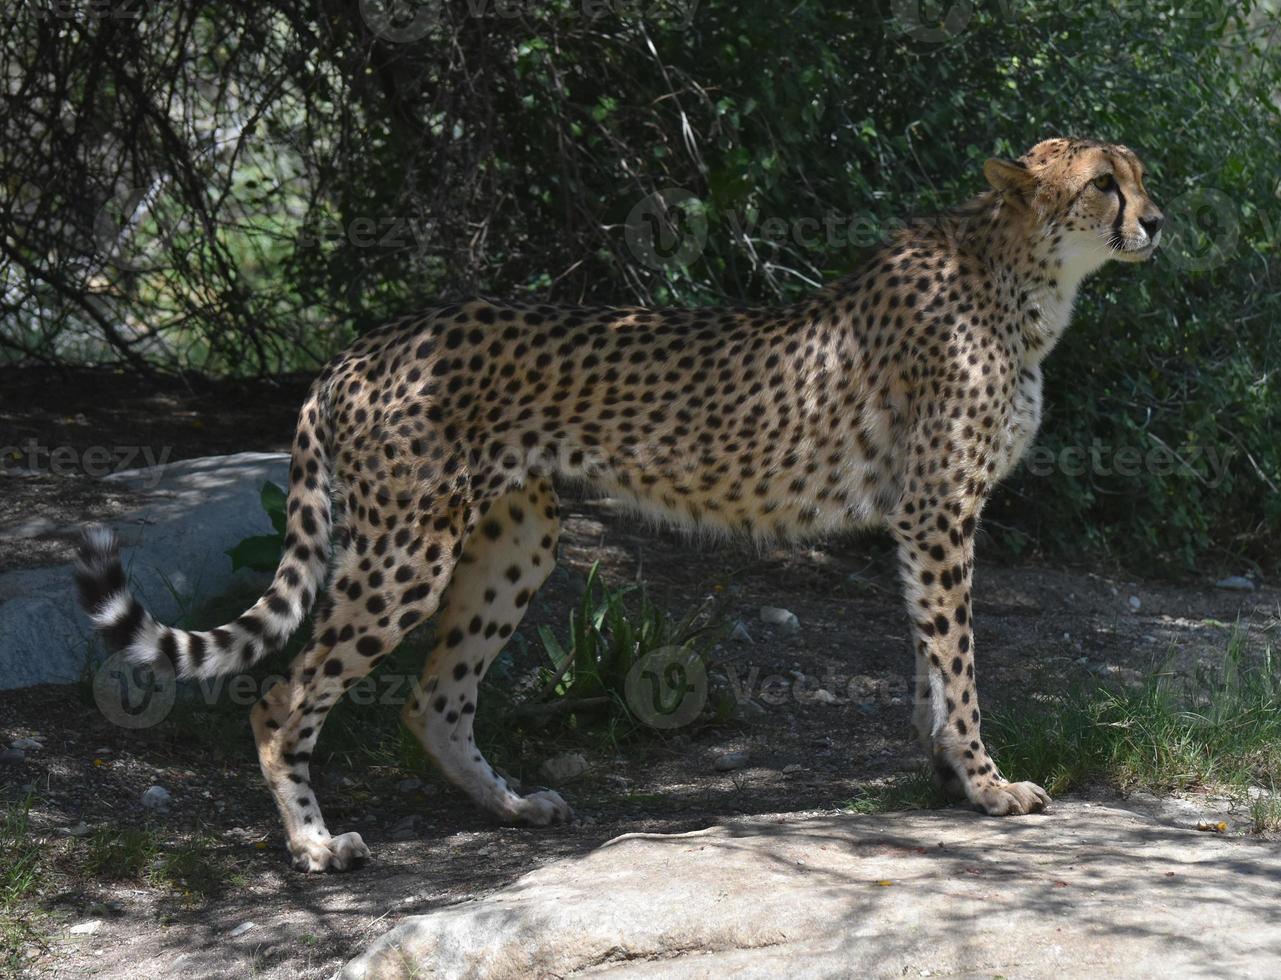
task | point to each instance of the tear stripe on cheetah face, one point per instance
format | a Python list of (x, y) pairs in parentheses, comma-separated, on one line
[(897, 396)]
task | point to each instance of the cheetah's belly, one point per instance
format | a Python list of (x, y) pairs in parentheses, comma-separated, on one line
[(800, 485)]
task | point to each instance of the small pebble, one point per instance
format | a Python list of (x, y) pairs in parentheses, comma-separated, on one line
[(80, 829), (409, 785), (1135, 603), (823, 696), (794, 768), (731, 761), (241, 929), (739, 633), (784, 618), (12, 756), (27, 745), (156, 798), (1233, 583), (86, 928), (564, 767)]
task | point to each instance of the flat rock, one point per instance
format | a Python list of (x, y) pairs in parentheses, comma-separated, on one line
[(174, 548), (730, 761), (1083, 891), (1235, 583)]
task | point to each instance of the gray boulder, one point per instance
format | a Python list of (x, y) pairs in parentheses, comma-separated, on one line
[(1083, 891), (175, 549)]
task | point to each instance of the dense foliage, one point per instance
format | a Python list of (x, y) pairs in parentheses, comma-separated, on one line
[(238, 188)]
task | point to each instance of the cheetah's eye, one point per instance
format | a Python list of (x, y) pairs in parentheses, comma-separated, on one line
[(1106, 183)]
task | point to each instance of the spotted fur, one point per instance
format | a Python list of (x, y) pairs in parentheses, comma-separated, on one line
[(897, 396)]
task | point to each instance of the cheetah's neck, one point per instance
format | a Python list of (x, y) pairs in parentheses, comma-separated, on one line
[(1046, 273)]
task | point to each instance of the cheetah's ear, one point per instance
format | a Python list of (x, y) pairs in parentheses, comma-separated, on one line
[(1011, 178)]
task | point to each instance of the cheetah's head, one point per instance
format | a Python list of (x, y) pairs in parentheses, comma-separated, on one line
[(1091, 193)]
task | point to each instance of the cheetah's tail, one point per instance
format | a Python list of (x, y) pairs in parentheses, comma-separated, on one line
[(126, 625)]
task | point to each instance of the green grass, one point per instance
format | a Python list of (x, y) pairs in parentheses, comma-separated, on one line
[(195, 867), (191, 868), (22, 867), (1220, 729), (119, 855), (915, 790), (1265, 812)]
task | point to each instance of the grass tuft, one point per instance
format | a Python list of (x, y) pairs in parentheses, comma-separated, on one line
[(21, 870), (915, 790), (120, 854), (1219, 729), (190, 867)]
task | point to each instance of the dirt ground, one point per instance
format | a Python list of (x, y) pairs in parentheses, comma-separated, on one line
[(1039, 629)]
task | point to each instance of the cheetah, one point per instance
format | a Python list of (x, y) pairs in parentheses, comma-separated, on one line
[(422, 472)]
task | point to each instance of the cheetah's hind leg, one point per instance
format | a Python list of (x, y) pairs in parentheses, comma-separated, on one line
[(382, 588), (505, 558)]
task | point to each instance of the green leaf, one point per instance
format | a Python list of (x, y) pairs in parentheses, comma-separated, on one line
[(261, 553), (273, 502), (552, 646)]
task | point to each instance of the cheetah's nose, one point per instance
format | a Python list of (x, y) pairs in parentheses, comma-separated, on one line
[(1152, 224)]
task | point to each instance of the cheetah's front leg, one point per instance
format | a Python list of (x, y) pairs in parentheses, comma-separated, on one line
[(936, 555)]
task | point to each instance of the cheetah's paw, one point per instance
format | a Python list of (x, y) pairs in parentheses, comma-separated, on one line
[(543, 808), (339, 853), (1011, 799)]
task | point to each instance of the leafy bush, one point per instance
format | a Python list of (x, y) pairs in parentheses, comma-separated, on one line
[(365, 165)]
